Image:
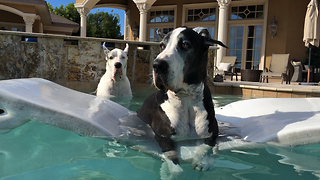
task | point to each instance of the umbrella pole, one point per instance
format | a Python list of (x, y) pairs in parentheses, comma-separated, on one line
[(308, 76)]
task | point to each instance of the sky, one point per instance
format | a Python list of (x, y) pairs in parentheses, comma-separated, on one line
[(57, 3)]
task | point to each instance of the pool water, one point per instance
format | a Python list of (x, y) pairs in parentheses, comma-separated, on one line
[(39, 151)]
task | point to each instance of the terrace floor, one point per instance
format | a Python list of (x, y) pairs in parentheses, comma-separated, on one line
[(273, 89)]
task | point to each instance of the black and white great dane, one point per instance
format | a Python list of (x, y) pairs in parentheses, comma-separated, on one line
[(182, 108)]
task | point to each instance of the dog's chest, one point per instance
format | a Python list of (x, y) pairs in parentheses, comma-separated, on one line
[(187, 115)]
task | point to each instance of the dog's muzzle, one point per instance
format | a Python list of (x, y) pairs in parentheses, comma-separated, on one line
[(117, 72), (160, 72)]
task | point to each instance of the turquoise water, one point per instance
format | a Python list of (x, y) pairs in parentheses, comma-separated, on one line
[(38, 151)]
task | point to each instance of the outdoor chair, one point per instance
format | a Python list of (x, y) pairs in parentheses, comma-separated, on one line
[(299, 71), (227, 67), (278, 68)]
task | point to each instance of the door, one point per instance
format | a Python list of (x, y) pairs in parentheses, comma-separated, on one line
[(245, 43)]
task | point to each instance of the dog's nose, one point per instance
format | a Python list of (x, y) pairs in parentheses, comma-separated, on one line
[(118, 65), (160, 66)]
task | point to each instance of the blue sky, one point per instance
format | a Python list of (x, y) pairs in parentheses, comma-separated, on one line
[(57, 3)]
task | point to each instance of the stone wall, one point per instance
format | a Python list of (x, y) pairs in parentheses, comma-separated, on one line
[(69, 59)]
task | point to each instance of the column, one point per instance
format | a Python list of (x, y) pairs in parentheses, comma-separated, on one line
[(222, 27), (29, 20), (143, 8), (83, 20)]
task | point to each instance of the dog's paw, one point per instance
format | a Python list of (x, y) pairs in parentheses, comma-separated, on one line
[(201, 162), (169, 170), (203, 165)]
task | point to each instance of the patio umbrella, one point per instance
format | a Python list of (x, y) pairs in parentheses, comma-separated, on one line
[(311, 34)]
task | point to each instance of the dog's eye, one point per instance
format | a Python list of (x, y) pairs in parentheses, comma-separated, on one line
[(110, 57), (122, 57), (185, 44)]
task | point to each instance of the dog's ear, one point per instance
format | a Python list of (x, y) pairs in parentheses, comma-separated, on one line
[(207, 38), (211, 42), (202, 31), (126, 50), (160, 34), (105, 49)]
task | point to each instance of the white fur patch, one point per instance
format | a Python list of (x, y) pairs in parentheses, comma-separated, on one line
[(174, 60), (186, 112)]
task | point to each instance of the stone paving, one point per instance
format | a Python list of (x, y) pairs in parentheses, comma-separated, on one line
[(271, 89)]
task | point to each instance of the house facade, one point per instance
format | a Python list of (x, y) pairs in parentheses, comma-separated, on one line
[(243, 25), (33, 16)]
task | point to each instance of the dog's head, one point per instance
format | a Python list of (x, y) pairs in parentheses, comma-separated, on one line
[(116, 62), (183, 60)]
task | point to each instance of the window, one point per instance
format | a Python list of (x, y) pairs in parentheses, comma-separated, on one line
[(247, 12), (208, 14), (153, 36), (253, 47), (200, 15), (236, 44), (161, 18)]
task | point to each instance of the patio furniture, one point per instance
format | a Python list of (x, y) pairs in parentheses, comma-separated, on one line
[(252, 75), (226, 67), (278, 68), (300, 71)]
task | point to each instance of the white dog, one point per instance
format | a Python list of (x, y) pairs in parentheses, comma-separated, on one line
[(115, 81)]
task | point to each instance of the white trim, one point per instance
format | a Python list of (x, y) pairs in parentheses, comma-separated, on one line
[(116, 6), (247, 2), (126, 25), (199, 5), (264, 35), (87, 4), (12, 10)]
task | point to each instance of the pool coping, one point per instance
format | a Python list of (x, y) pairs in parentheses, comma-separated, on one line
[(244, 88)]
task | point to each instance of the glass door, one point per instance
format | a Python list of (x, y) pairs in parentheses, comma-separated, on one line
[(245, 43), (253, 47), (236, 44)]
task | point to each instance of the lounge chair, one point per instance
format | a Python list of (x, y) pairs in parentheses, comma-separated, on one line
[(278, 68), (226, 67)]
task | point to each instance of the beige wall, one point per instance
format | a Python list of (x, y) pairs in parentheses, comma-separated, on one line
[(290, 18), (134, 17)]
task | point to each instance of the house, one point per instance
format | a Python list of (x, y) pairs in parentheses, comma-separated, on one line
[(33, 16), (243, 25)]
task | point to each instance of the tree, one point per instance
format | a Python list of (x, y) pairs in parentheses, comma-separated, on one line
[(103, 25), (68, 11), (99, 24)]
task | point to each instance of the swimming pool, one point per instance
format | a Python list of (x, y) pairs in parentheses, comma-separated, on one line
[(39, 151)]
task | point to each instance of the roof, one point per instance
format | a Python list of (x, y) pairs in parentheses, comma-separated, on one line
[(58, 20), (47, 17), (38, 2)]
